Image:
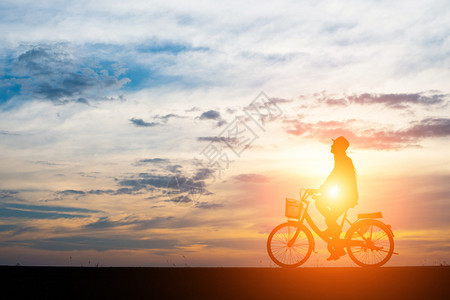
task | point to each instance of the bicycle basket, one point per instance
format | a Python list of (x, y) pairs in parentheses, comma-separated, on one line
[(293, 209)]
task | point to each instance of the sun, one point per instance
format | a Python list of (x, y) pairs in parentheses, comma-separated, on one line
[(334, 191)]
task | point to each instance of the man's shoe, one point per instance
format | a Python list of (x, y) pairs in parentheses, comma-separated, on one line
[(332, 257), (336, 254)]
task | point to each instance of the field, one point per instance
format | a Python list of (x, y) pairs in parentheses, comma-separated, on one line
[(225, 283)]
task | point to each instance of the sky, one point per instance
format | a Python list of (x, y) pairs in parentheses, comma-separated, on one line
[(118, 126)]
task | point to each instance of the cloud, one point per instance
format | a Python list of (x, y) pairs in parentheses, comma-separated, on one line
[(167, 46), (25, 229), (395, 101), (231, 110), (186, 198), (49, 208), (157, 222), (70, 192), (207, 205), (4, 132), (204, 173), (213, 115), (221, 122), (17, 210), (146, 161), (281, 100), (174, 168), (7, 227), (193, 109), (56, 72), (45, 163), (258, 178), (89, 175), (130, 191), (210, 115), (165, 118), (429, 128), (134, 223), (9, 195), (146, 181), (119, 191), (368, 137), (218, 139), (72, 243), (237, 243), (142, 123), (105, 222), (334, 40), (101, 192), (171, 184)]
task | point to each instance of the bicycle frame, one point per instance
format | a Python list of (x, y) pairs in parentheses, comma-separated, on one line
[(310, 222)]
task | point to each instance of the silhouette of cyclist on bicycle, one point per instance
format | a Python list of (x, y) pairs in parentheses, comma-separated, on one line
[(369, 242), (338, 193)]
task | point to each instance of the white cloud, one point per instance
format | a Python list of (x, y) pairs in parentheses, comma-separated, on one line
[(307, 45)]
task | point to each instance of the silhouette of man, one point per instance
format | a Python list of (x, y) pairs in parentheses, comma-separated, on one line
[(338, 193)]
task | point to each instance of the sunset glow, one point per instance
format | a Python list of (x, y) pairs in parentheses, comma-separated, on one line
[(110, 113)]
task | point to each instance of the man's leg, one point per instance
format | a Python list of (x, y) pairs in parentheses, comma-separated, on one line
[(333, 227), (331, 215), (335, 231), (330, 218), (322, 207)]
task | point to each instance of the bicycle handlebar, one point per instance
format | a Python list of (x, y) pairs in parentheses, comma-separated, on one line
[(313, 191), (310, 192)]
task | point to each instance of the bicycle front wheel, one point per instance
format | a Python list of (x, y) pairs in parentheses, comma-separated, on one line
[(370, 243), (290, 256)]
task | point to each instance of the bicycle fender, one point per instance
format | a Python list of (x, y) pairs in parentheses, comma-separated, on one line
[(373, 220), (390, 229)]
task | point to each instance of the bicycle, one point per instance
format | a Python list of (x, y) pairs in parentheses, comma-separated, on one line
[(369, 242)]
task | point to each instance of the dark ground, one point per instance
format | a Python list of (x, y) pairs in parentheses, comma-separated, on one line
[(224, 283)]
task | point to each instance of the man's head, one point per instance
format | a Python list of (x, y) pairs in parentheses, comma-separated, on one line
[(339, 145)]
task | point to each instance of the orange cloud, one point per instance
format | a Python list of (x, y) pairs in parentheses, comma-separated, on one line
[(368, 137)]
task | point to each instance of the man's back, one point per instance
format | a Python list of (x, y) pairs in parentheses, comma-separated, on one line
[(343, 177)]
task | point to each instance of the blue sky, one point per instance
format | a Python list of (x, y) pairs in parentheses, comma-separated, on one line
[(102, 104)]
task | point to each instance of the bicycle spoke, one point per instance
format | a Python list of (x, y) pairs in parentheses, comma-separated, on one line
[(298, 251), (380, 256), (382, 250), (282, 253), (382, 236), (278, 250), (278, 239), (358, 251), (362, 236), (377, 248)]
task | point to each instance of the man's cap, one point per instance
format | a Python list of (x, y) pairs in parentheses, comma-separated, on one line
[(341, 142)]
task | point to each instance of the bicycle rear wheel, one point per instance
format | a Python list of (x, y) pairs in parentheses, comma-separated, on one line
[(370, 243), (290, 256)]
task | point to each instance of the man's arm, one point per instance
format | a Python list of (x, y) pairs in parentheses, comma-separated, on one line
[(313, 191)]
